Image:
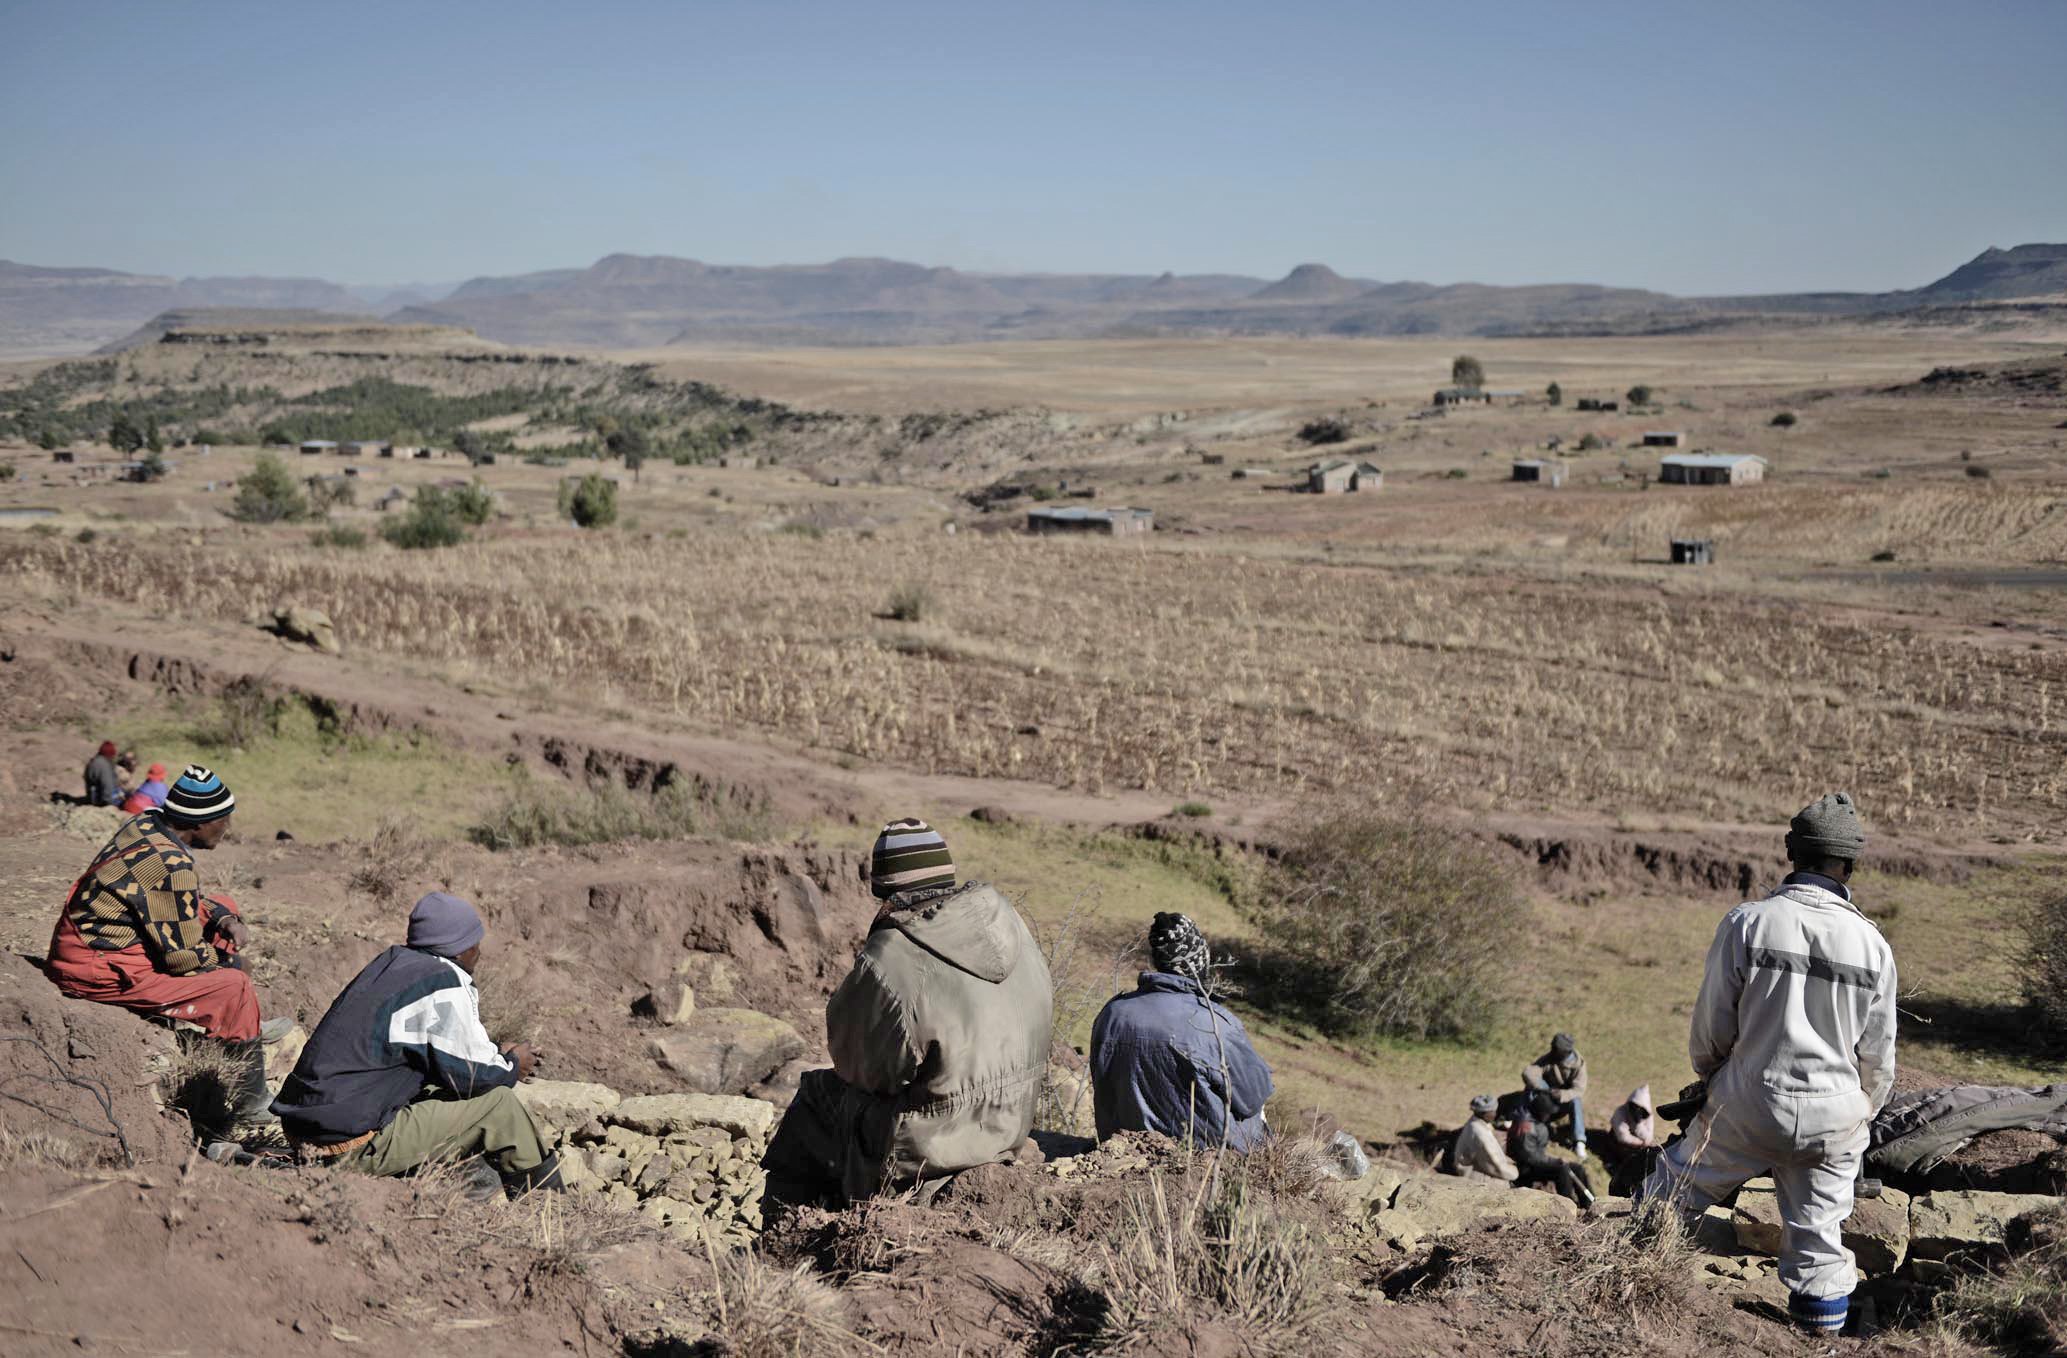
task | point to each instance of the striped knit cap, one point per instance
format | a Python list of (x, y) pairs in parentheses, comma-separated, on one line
[(198, 797), (909, 855), (1177, 947)]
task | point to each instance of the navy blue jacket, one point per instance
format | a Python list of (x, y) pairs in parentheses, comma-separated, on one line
[(409, 1019), (1156, 1066)]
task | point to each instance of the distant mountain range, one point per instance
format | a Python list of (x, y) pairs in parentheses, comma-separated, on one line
[(643, 301)]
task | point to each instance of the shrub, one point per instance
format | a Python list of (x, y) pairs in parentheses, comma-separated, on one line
[(908, 603), (268, 493), (153, 465), (1195, 810), (602, 815), (2043, 964), (1638, 395), (591, 502), (1456, 473), (1466, 371), (325, 495), (1327, 429), (1390, 926), (1555, 394), (1978, 472), (340, 535), (429, 523), (8, 471), (85, 536), (472, 503), (1592, 443), (1784, 420)]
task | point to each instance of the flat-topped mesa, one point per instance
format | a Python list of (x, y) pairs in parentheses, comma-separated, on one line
[(296, 330)]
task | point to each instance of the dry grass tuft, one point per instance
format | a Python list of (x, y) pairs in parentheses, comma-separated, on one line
[(767, 1311), (395, 858), (201, 1079), (1642, 1267), (1222, 1252), (511, 1009), (30, 1150)]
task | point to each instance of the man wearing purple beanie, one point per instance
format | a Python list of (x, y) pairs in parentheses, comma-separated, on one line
[(412, 1018)]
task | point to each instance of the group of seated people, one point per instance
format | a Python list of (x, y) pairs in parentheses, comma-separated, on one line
[(106, 777), (940, 1035), (1553, 1092)]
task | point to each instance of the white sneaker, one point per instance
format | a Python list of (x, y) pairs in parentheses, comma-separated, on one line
[(1582, 1152)]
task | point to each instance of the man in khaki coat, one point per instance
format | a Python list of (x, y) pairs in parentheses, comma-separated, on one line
[(939, 1038)]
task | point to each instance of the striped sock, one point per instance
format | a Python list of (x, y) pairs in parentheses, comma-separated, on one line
[(1822, 1315)]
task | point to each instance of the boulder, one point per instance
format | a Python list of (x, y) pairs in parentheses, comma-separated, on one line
[(310, 626), (1877, 1232), (1943, 1224), (711, 975), (672, 1002), (659, 1114), (1429, 1206), (565, 1103), (726, 1051)]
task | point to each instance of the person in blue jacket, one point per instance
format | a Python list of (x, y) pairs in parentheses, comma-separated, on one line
[(1167, 1058)]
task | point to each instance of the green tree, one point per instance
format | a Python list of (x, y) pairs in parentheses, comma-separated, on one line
[(472, 503), (468, 445), (153, 440), (1555, 394), (123, 435), (268, 494), (1638, 395), (429, 523), (1467, 372), (590, 502), (47, 440), (632, 445)]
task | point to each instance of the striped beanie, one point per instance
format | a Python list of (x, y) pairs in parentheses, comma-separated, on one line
[(198, 797), (909, 855)]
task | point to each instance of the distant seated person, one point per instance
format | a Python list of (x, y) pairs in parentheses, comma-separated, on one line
[(1528, 1145), (1561, 1073), (136, 930), (149, 793), (1476, 1148), (1633, 1126), (103, 779), (939, 1039), (1168, 1058), (411, 1018)]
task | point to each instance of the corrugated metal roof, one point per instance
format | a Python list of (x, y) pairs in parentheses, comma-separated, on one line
[(1076, 515), (1708, 459)]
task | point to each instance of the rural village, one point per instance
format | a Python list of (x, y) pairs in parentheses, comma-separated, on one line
[(664, 807)]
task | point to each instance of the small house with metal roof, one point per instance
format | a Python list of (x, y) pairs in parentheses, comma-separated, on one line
[(1711, 469), (1116, 523), (1540, 471)]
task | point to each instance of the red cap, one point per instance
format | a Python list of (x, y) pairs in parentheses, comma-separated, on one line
[(107, 747), (156, 773)]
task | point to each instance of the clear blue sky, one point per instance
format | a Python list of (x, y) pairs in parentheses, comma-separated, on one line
[(1691, 147)]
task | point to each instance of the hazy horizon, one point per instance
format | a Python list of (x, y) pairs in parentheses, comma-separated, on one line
[(1764, 149)]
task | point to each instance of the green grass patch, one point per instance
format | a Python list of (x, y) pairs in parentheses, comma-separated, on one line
[(293, 770)]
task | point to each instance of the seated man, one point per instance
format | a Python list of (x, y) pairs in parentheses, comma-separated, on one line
[(137, 932), (939, 1038), (103, 779), (1561, 1072), (1476, 1148), (1169, 1058), (1528, 1144), (412, 1018)]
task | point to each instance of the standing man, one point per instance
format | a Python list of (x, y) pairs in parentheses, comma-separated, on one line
[(1169, 1058), (1794, 1037), (1561, 1073), (939, 1038), (412, 1018), (137, 932)]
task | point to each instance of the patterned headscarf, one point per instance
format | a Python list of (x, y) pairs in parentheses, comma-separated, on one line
[(1178, 948)]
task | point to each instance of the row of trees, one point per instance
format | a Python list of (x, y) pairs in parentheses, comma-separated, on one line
[(1470, 374)]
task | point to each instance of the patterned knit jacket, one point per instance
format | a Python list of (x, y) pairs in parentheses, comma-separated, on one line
[(144, 888)]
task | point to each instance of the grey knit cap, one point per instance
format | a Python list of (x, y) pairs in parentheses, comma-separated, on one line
[(1484, 1103), (1563, 1048), (1828, 827), (444, 925)]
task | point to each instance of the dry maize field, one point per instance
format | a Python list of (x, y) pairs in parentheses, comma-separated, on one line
[(1183, 669)]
